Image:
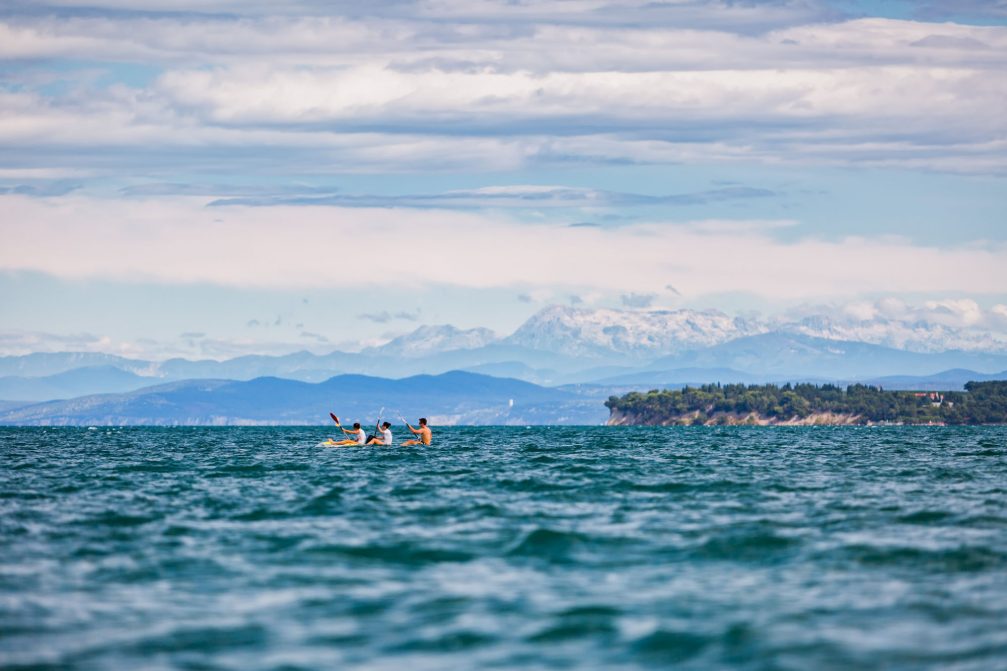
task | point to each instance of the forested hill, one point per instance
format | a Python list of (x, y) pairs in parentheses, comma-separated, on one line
[(981, 403)]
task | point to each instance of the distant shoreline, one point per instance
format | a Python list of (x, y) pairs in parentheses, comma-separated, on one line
[(982, 403)]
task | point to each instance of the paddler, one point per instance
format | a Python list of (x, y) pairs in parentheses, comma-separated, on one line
[(385, 438), (359, 435), (425, 436)]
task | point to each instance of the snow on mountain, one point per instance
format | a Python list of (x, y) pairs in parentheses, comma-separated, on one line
[(912, 336), (585, 332), (656, 333), (428, 340)]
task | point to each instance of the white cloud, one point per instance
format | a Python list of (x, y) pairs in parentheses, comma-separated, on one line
[(879, 98), (855, 92), (180, 240), (860, 310), (22, 342), (959, 312)]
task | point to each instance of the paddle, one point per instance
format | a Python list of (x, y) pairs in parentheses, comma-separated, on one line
[(335, 419)]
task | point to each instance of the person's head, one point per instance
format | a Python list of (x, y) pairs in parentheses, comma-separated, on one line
[(423, 421), (386, 425), (356, 425)]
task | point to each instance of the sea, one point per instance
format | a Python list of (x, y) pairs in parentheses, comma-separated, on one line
[(505, 548)]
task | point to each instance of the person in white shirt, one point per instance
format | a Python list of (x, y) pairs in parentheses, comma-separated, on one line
[(385, 438), (359, 435)]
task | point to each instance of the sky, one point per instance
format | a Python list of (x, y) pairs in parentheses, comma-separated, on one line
[(218, 178)]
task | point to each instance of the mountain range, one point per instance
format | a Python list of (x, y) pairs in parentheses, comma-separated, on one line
[(592, 352), (451, 398)]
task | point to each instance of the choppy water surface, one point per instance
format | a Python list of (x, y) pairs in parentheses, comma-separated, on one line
[(616, 548)]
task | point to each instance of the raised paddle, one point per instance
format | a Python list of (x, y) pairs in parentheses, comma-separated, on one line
[(335, 419)]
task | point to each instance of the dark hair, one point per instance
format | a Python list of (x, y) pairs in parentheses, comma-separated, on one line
[(423, 421), (386, 425), (356, 425)]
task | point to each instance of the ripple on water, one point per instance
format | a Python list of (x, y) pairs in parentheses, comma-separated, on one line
[(599, 622), (924, 517), (548, 544), (962, 559), (747, 546), (669, 646), (405, 553)]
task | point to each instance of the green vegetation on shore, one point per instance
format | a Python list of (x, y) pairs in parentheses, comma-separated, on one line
[(981, 403)]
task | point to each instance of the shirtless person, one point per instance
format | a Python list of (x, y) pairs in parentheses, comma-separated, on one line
[(385, 438), (423, 432)]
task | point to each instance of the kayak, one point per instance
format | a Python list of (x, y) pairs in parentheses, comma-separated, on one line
[(332, 443)]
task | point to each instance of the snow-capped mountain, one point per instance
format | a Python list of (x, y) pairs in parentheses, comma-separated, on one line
[(428, 340), (636, 333), (564, 344), (913, 336), (656, 333)]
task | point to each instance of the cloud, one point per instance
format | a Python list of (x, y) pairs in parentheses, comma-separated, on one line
[(225, 190), (17, 342), (384, 316), (41, 189), (637, 300), (179, 240), (956, 10), (420, 86), (515, 196), (949, 42), (726, 227), (314, 336), (876, 101), (963, 312)]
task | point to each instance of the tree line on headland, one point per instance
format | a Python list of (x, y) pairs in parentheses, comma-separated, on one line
[(980, 403)]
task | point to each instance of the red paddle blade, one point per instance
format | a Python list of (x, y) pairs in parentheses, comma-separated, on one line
[(334, 418)]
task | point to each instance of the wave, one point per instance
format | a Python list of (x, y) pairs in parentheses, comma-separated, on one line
[(962, 559)]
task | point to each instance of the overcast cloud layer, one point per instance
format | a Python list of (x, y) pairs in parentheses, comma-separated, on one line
[(459, 85), (797, 152)]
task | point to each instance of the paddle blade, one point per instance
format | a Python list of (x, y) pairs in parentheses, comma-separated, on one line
[(334, 418)]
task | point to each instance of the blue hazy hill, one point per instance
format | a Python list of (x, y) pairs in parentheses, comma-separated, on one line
[(42, 364), (770, 357), (681, 376), (948, 380), (451, 398), (71, 383)]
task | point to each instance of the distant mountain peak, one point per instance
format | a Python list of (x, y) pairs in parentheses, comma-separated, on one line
[(432, 339), (634, 333)]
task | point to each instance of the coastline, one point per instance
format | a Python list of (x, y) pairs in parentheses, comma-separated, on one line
[(694, 418)]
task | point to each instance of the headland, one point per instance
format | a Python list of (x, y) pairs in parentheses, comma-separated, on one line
[(809, 404)]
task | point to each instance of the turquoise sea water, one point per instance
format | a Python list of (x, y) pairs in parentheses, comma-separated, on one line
[(505, 548)]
